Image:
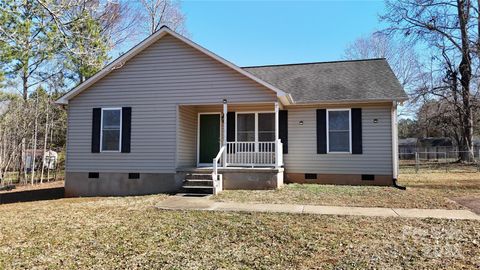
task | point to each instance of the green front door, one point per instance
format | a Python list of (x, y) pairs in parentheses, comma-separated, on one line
[(209, 137)]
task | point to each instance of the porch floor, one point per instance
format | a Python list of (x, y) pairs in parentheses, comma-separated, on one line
[(209, 169)]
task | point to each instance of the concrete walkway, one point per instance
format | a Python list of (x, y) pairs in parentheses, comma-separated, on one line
[(202, 203)]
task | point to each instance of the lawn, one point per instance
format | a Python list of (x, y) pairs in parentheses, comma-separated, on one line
[(424, 190), (113, 233)]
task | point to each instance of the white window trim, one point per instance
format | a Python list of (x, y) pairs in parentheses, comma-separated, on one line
[(101, 131), (256, 124), (349, 132)]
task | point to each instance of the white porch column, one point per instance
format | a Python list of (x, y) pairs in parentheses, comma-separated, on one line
[(225, 111), (277, 158), (276, 121)]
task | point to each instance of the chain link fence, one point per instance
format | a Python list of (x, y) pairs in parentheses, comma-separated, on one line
[(446, 161)]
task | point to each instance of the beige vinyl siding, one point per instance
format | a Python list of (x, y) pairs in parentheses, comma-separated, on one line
[(302, 154), (187, 137), (153, 83)]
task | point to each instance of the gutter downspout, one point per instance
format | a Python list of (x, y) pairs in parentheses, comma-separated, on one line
[(395, 146)]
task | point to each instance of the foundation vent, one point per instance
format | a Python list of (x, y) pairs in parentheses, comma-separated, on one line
[(93, 175), (133, 175), (368, 177), (310, 176)]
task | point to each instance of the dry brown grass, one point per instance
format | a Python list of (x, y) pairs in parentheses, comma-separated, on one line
[(424, 190), (119, 233)]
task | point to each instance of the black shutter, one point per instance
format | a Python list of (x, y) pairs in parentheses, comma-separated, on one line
[(126, 128), (96, 121), (321, 131), (357, 131), (283, 129), (231, 130)]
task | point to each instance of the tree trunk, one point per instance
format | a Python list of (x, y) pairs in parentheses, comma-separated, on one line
[(45, 146), (50, 148), (465, 71), (34, 150)]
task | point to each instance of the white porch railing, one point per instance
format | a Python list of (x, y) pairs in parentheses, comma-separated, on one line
[(254, 154), (217, 178)]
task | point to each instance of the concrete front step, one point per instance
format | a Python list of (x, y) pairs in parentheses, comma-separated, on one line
[(197, 190), (198, 187), (193, 194), (198, 182)]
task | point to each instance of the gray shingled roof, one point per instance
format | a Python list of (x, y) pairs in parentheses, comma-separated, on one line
[(369, 80)]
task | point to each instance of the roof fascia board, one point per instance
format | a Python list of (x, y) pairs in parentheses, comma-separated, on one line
[(346, 101), (119, 62)]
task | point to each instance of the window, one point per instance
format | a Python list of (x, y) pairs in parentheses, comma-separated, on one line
[(339, 131), (266, 127), (111, 130), (255, 127), (246, 127)]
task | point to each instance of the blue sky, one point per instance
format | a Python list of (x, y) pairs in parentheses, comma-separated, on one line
[(275, 32)]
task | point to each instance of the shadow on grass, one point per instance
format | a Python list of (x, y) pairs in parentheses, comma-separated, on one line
[(33, 195)]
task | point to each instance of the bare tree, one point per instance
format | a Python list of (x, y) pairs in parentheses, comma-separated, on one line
[(403, 58), (45, 140), (447, 29), (157, 13)]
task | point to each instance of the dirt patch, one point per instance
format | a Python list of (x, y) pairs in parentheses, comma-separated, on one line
[(471, 202)]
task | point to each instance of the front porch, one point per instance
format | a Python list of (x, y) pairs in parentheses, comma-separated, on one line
[(233, 141), (238, 178)]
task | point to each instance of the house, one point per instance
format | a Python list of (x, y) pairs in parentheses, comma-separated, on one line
[(47, 159), (433, 148), (170, 114)]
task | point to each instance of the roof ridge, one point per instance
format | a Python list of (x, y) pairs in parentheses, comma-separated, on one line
[(321, 62)]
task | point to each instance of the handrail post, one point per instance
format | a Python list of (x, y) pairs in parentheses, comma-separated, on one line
[(215, 169), (215, 164)]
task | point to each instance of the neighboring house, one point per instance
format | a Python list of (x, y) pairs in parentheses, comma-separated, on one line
[(432, 148), (161, 113), (49, 156)]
